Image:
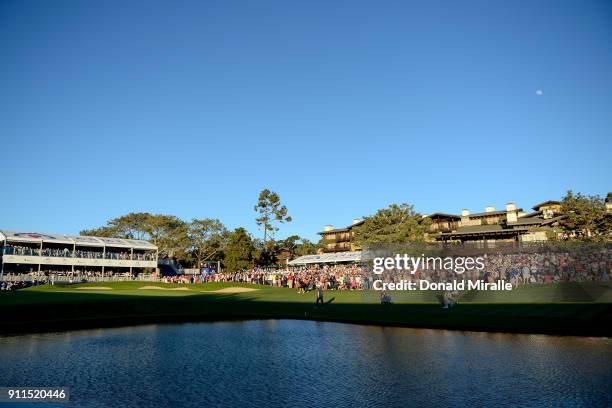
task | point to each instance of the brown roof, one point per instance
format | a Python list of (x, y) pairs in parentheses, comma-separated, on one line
[(554, 219), (531, 214), (476, 229), (549, 202), (482, 230), (444, 215), (345, 229), (527, 221), (334, 230), (484, 214)]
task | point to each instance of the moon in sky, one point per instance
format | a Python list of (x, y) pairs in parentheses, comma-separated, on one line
[(539, 92)]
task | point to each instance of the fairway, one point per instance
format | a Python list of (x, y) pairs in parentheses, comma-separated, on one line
[(569, 308), (530, 294)]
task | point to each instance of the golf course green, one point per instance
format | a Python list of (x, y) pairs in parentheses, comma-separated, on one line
[(565, 308)]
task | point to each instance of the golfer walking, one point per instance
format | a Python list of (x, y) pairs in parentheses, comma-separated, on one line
[(319, 295)]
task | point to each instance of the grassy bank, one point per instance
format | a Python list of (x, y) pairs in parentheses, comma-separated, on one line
[(578, 309)]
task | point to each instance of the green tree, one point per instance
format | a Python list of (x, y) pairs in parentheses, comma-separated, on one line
[(169, 233), (586, 217), (207, 239), (297, 246), (396, 224), (132, 225), (265, 253), (306, 247), (270, 211), (105, 232), (239, 251)]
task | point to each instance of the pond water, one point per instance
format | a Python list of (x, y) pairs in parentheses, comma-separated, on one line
[(303, 363)]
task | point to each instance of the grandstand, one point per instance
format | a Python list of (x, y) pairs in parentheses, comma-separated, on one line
[(27, 254)]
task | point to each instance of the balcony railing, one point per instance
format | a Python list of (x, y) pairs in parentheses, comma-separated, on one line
[(342, 246), (67, 253), (444, 226)]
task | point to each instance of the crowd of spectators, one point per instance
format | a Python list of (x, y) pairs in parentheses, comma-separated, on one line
[(20, 250), (78, 253), (523, 269), (516, 268), (535, 268), (305, 278), (15, 285), (17, 280), (143, 256)]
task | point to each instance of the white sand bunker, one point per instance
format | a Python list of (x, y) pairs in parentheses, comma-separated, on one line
[(161, 288), (234, 290), (94, 288)]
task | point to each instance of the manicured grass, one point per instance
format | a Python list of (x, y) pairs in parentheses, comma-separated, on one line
[(582, 309)]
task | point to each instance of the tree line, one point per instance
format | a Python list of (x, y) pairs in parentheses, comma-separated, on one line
[(200, 241)]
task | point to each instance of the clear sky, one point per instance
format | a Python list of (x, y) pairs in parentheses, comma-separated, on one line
[(191, 108)]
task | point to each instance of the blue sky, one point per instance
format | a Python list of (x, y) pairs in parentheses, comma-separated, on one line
[(192, 107)]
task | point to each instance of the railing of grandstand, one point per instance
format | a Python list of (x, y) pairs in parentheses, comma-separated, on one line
[(67, 253), (75, 278)]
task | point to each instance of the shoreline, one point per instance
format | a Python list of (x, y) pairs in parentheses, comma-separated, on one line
[(512, 325), (130, 321)]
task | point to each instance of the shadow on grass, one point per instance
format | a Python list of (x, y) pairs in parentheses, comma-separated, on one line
[(53, 310)]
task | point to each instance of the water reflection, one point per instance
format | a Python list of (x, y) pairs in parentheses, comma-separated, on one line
[(303, 363)]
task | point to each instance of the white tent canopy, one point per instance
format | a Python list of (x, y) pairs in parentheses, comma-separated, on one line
[(327, 258)]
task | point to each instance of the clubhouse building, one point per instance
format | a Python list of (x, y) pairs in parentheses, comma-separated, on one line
[(339, 239), (27, 252), (511, 224)]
